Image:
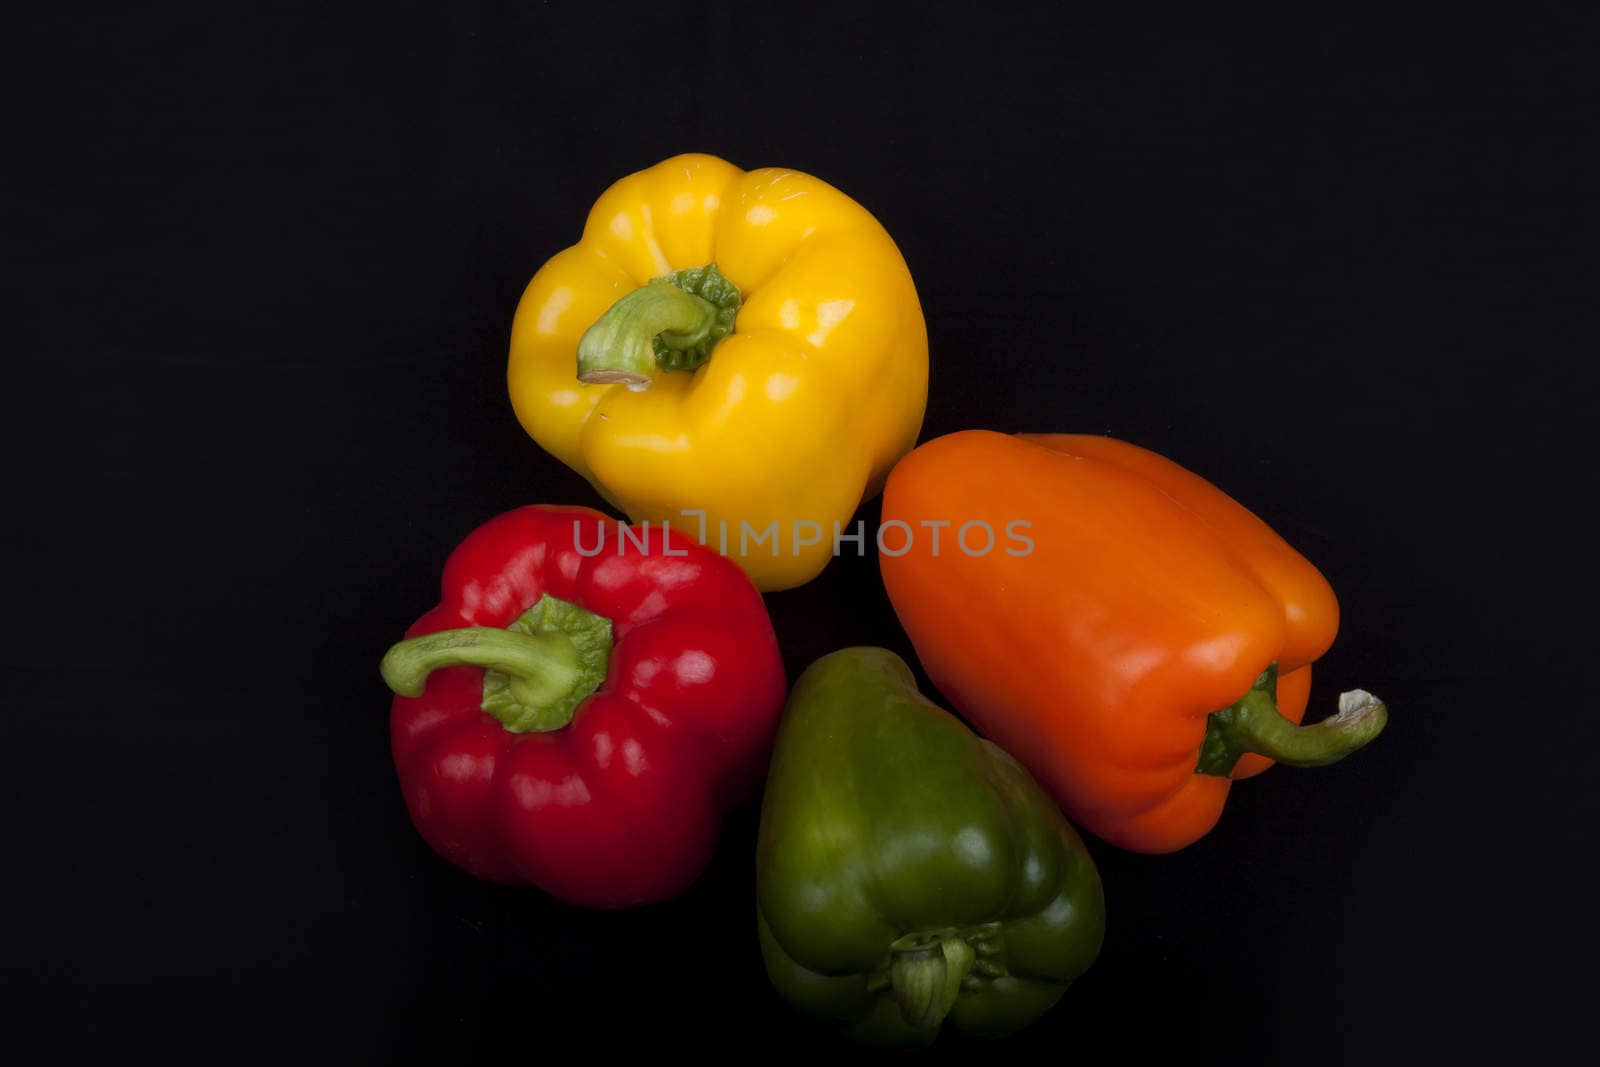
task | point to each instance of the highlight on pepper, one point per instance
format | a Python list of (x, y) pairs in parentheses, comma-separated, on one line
[(749, 344)]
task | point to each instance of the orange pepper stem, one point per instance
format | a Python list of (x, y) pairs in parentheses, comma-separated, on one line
[(1253, 724)]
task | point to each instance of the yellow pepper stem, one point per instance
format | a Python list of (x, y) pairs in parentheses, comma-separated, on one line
[(672, 323)]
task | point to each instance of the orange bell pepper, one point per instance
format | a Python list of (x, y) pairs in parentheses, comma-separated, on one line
[(1135, 637)]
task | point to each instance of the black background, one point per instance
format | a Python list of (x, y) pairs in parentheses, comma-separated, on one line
[(264, 266)]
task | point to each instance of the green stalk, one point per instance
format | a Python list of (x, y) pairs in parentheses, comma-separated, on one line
[(670, 324), (536, 672), (1254, 724)]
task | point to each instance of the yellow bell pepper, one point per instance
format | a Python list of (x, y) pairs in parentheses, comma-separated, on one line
[(740, 354)]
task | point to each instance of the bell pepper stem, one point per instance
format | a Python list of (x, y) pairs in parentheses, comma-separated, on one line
[(536, 672), (540, 668), (619, 346), (670, 324), (1254, 724), (926, 973)]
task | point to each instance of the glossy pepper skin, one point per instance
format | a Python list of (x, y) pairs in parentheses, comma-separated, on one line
[(1153, 645), (910, 873), (778, 389), (593, 753)]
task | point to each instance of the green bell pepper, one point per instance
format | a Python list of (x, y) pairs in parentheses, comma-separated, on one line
[(908, 871)]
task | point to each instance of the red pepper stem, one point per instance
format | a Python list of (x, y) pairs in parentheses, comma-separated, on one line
[(539, 668), (536, 672), (1254, 724)]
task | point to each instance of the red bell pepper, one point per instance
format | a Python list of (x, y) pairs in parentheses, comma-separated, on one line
[(582, 706)]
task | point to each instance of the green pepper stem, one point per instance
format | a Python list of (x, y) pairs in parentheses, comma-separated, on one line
[(670, 324), (540, 668), (1254, 724), (926, 975)]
